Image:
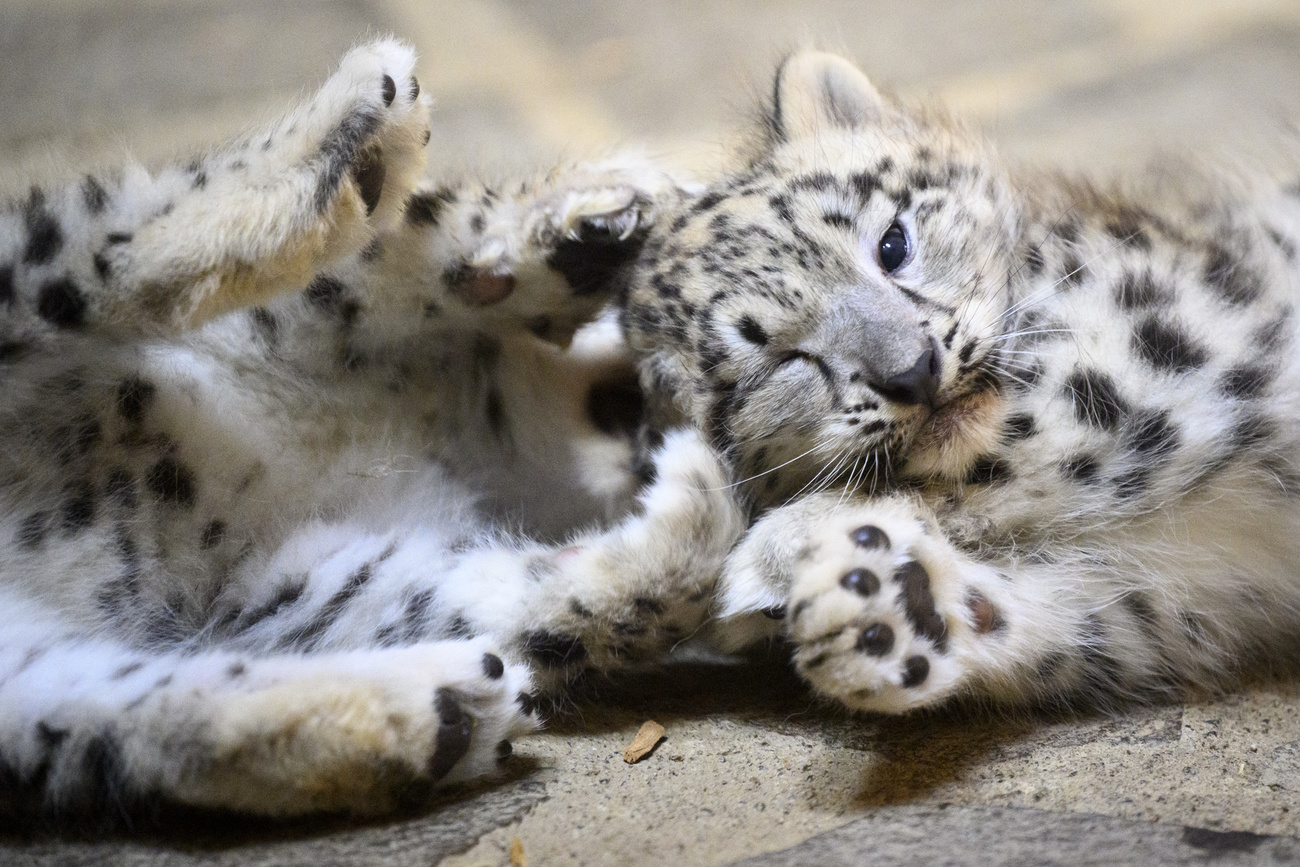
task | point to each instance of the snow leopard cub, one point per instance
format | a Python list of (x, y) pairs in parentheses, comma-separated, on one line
[(1015, 437), (301, 502)]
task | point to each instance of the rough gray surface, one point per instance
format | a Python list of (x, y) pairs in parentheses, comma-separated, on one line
[(752, 764), (997, 836)]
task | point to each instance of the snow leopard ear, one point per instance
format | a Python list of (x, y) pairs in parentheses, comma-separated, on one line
[(817, 92)]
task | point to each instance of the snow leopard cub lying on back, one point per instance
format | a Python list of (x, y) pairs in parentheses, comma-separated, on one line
[(292, 495), (1014, 437)]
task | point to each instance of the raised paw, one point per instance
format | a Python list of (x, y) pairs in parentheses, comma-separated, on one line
[(262, 216), (546, 257), (880, 612)]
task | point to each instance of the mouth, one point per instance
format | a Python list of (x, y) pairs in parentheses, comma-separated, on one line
[(956, 433)]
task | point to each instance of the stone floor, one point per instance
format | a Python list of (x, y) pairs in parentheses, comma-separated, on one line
[(754, 771)]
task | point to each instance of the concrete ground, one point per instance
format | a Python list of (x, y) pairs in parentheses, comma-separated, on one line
[(753, 771)]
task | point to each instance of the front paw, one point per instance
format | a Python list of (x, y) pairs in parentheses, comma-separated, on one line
[(879, 613)]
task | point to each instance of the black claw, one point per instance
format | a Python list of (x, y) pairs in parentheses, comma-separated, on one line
[(868, 536), (415, 88), (877, 640), (504, 751), (861, 581), (390, 90), (455, 730), (493, 667), (369, 172), (915, 670)]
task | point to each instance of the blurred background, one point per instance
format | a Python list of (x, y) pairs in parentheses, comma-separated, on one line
[(1092, 82)]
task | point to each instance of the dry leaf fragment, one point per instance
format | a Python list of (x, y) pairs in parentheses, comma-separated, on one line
[(651, 733), (516, 853)]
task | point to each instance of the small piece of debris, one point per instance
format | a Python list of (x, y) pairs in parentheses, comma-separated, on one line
[(516, 853), (643, 744)]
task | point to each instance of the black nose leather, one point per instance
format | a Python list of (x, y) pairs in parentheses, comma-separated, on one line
[(917, 385)]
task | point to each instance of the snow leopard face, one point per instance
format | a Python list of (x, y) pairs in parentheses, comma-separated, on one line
[(830, 313)]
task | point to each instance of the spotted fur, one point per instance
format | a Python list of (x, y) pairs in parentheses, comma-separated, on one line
[(304, 505), (1050, 458)]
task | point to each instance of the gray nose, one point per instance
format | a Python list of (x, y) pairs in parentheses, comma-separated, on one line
[(917, 385)]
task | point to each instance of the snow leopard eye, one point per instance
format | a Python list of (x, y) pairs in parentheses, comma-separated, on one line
[(894, 248)]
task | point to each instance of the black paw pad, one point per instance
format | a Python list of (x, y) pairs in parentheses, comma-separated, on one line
[(860, 581), (415, 88), (915, 670), (493, 667), (504, 751), (390, 90), (868, 536), (918, 602), (368, 171), (876, 640), (528, 703), (455, 731)]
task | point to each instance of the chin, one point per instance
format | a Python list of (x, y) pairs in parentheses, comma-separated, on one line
[(955, 436)]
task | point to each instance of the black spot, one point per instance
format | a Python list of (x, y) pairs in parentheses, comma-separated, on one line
[(1140, 291), (1081, 468), (212, 535), (876, 640), (869, 536), (577, 608), (1096, 398), (134, 397), (477, 224), (32, 530), (1167, 346), (1234, 283), (120, 488), (1246, 382), (1102, 670), (776, 612), (389, 90), (288, 593), (989, 470), (200, 180), (458, 627), (103, 267), (915, 670), (1133, 483), (7, 284), (1222, 842), (750, 330), (493, 667), (838, 220), (646, 605), (707, 202), (44, 235), (62, 303), (616, 406), (78, 510), (117, 238), (455, 733), (304, 637), (1018, 427), (495, 411), (172, 482), (1151, 433), (1142, 610), (1249, 430), (265, 324), (93, 194), (337, 151), (425, 209), (554, 650), (860, 581), (918, 603), (236, 669), (528, 704)]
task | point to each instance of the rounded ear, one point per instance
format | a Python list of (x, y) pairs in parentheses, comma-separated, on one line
[(817, 92)]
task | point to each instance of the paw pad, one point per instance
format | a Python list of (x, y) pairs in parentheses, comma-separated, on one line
[(390, 90), (860, 581), (918, 602), (868, 536), (493, 667), (915, 670), (877, 639), (455, 731), (984, 617)]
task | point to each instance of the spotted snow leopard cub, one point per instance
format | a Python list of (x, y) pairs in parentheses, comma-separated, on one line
[(1016, 437), (299, 508)]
